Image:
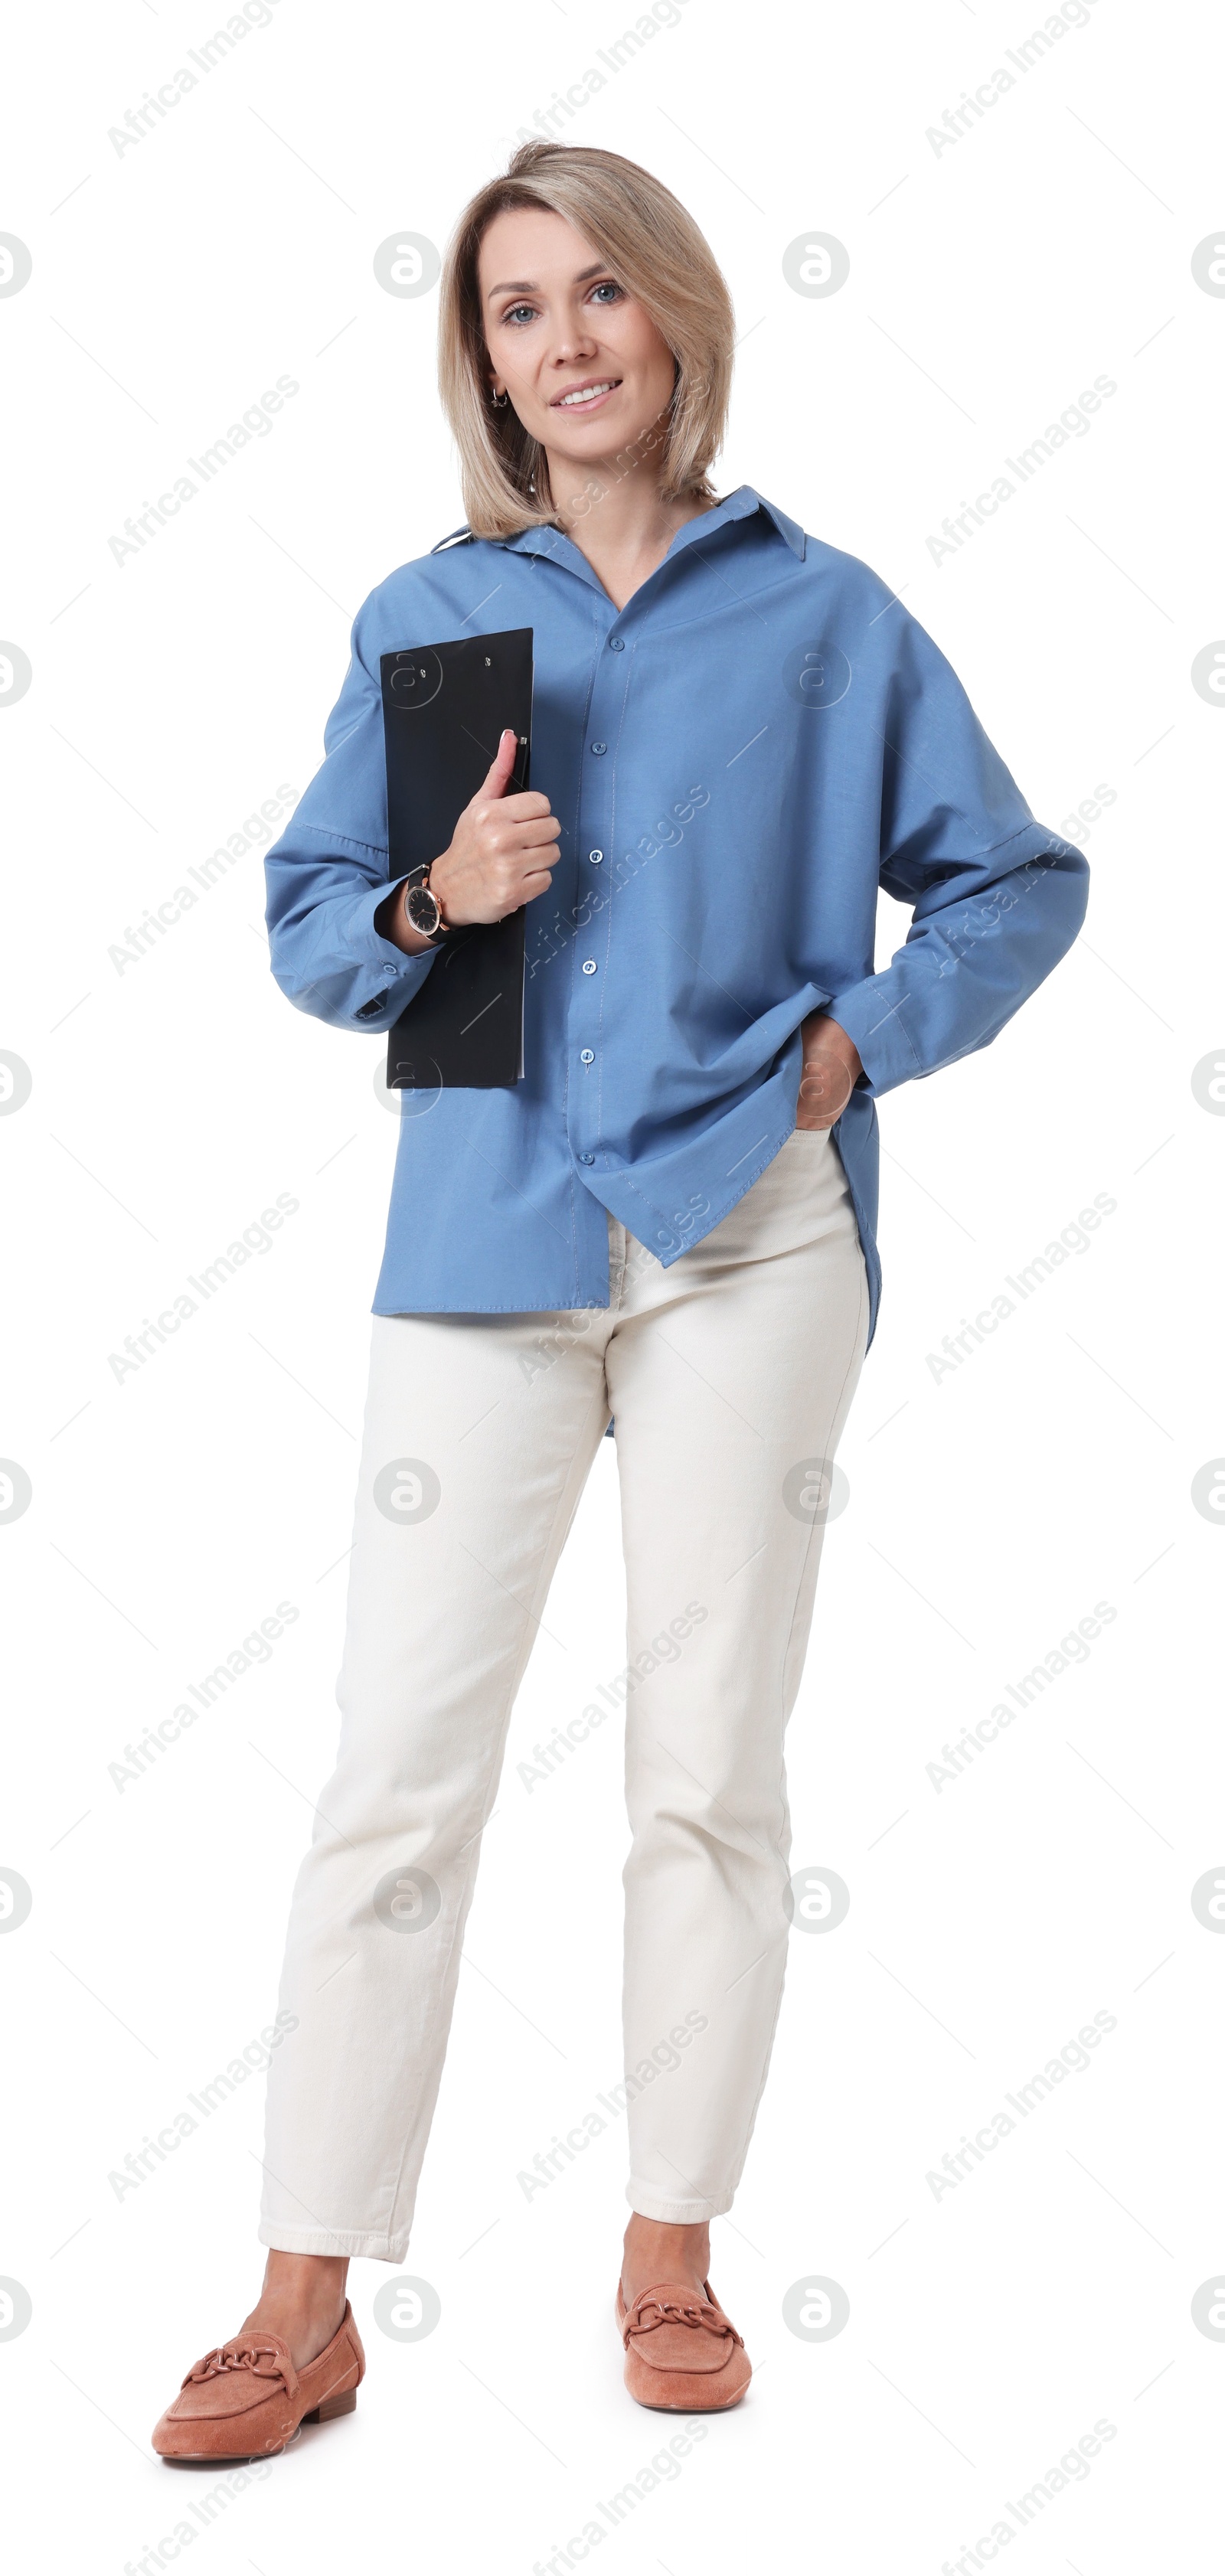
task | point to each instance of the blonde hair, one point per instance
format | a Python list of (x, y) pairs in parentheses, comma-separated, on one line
[(658, 254)]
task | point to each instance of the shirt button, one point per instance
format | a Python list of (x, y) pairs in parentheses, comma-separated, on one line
[(595, 857), (586, 1158), (616, 643), (586, 1056), (588, 965), (598, 747)]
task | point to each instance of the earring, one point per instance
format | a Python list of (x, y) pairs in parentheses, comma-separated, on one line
[(499, 401)]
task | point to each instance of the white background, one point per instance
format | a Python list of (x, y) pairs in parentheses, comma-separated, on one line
[(989, 1511)]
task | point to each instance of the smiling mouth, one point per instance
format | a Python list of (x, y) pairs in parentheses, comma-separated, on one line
[(581, 395)]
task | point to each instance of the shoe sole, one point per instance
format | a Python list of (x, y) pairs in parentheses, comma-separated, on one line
[(723, 2408)]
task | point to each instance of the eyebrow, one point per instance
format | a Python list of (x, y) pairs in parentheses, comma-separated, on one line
[(527, 285)]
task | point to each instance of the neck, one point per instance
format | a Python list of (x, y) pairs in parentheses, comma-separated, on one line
[(618, 515)]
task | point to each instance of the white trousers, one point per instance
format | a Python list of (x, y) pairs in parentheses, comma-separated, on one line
[(729, 1376)]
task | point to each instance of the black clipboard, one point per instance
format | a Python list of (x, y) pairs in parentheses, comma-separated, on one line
[(444, 707)]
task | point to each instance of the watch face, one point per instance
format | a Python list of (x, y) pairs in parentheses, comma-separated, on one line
[(423, 910)]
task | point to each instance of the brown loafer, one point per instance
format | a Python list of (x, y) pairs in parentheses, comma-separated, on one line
[(245, 2399), (682, 2355)]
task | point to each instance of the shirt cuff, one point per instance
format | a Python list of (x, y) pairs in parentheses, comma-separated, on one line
[(392, 976), (874, 1022)]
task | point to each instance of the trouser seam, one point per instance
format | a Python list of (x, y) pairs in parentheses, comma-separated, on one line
[(767, 2052)]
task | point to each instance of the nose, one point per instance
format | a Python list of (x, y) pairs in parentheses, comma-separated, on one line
[(573, 342)]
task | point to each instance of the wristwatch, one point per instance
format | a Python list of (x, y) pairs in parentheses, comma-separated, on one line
[(422, 908)]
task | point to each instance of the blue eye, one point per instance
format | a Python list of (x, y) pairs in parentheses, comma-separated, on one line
[(608, 286), (517, 309)]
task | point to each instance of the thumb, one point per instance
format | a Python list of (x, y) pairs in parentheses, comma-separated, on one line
[(503, 763)]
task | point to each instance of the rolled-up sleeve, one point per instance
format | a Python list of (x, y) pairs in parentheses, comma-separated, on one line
[(327, 875), (996, 898)]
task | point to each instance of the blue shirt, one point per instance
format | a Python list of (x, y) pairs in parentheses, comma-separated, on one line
[(738, 759)]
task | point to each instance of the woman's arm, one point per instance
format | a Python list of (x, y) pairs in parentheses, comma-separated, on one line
[(341, 947), (996, 898), (327, 875)]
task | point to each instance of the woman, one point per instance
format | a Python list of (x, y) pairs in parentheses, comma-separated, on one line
[(739, 734)]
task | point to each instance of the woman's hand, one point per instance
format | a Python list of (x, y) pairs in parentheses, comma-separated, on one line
[(831, 1070), (501, 856)]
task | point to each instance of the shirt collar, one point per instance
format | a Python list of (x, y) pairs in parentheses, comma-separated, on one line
[(740, 504)]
